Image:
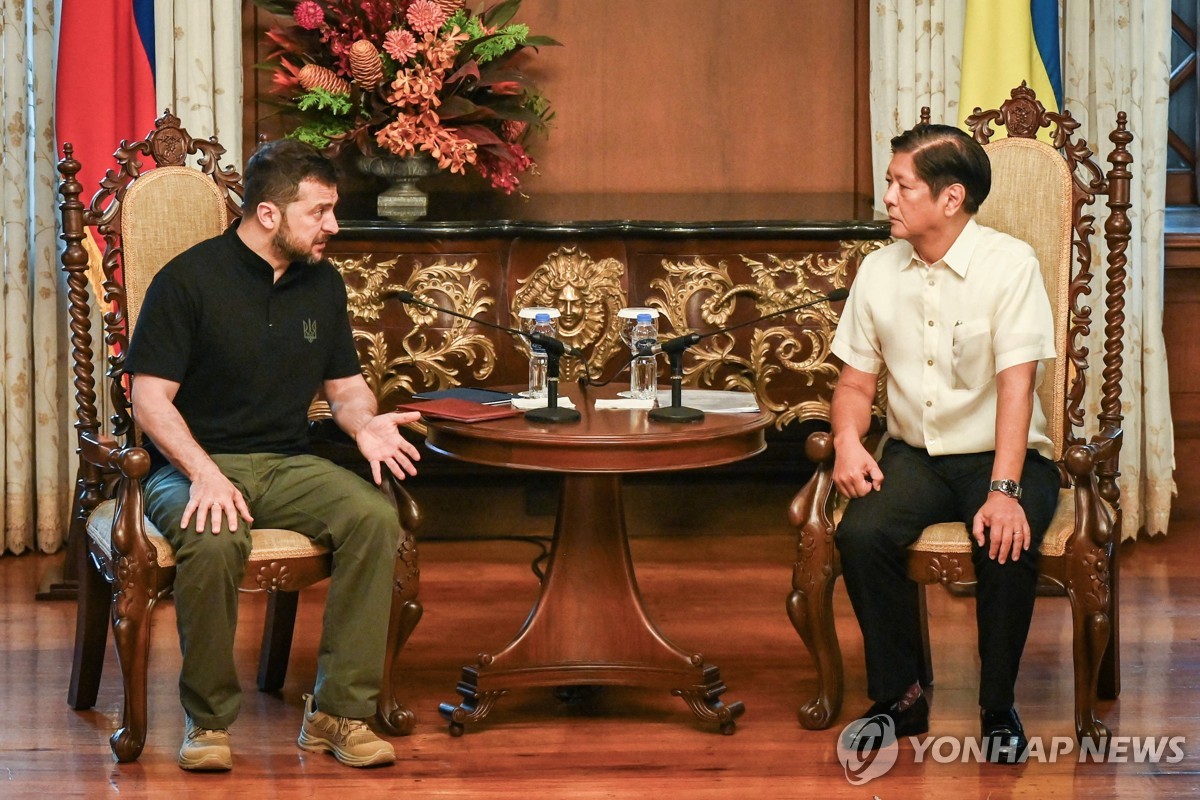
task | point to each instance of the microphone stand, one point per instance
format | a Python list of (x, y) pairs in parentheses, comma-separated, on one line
[(677, 411), (674, 348), (552, 413), (554, 348)]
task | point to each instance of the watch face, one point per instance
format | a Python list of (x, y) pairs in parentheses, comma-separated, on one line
[(1008, 487)]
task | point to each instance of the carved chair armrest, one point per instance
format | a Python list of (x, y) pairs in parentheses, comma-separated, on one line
[(1081, 460), (816, 494), (818, 448), (105, 453), (406, 506), (129, 465)]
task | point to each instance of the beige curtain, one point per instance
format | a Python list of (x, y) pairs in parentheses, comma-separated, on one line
[(916, 60), (1116, 55), (1117, 58), (198, 68), (34, 431)]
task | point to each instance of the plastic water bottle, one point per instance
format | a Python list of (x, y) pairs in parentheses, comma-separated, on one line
[(643, 372), (537, 357)]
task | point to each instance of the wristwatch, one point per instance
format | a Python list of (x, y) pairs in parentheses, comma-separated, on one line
[(1006, 486)]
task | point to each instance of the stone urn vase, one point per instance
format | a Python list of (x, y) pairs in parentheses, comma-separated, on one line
[(402, 200)]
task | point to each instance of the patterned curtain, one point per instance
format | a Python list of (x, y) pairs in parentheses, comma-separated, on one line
[(1116, 57), (198, 75), (34, 429), (916, 60)]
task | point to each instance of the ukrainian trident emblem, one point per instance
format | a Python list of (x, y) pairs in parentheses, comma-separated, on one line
[(310, 330)]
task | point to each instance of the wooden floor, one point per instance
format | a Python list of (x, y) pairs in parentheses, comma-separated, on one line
[(722, 595)]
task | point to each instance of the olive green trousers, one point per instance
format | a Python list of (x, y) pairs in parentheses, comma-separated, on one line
[(330, 505)]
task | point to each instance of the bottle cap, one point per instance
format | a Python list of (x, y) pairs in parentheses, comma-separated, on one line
[(542, 319), (643, 319)]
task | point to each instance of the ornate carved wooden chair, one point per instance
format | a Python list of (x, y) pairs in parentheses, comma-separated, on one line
[(1040, 194), (124, 564)]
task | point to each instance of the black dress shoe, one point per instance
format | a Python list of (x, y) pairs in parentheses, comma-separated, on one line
[(1004, 739), (883, 724)]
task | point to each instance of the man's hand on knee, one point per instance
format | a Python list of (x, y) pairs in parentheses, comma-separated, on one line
[(1007, 528), (213, 495)]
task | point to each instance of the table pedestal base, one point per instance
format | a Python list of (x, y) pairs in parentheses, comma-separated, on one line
[(588, 626)]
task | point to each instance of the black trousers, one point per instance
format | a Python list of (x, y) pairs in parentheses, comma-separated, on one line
[(920, 490)]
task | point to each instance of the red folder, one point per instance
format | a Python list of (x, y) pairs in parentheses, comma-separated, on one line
[(458, 410)]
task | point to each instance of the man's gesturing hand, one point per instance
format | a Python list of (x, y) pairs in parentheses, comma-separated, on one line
[(380, 442)]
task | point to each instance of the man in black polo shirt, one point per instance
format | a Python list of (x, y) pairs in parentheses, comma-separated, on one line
[(235, 337)]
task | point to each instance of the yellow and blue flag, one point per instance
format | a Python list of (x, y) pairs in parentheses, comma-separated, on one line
[(1006, 42)]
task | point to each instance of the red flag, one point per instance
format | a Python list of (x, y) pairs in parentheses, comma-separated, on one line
[(105, 83)]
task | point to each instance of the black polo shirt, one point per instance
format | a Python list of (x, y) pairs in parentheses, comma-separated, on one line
[(247, 352)]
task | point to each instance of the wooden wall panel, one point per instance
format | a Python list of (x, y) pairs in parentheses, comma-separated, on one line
[(1181, 330), (690, 95)]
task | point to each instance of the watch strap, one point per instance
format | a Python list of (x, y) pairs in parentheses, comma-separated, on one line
[(1007, 487)]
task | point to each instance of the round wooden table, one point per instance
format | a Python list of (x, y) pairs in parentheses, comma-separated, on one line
[(588, 626)]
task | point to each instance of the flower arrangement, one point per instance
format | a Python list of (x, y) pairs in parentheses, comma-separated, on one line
[(410, 77)]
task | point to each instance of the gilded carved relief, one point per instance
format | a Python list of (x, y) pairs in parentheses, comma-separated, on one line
[(774, 350), (588, 294), (432, 357), (770, 360)]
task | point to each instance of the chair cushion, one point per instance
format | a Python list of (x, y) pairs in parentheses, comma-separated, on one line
[(953, 537), (268, 544)]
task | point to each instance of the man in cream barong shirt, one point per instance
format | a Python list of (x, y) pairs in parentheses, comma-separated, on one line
[(958, 315)]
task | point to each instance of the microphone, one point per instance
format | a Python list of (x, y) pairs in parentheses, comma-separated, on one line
[(548, 343), (681, 343), (677, 411), (555, 349)]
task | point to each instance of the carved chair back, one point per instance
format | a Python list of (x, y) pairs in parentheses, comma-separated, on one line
[(1041, 194), (144, 217)]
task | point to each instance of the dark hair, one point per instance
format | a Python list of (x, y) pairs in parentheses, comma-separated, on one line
[(944, 155), (275, 171)]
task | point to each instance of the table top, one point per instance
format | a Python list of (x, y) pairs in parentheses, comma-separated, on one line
[(654, 216), (602, 441)]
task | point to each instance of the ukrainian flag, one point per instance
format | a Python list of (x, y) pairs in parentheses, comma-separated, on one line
[(1006, 42)]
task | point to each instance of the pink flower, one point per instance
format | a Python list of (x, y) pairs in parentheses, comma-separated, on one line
[(425, 16), (400, 44), (309, 15)]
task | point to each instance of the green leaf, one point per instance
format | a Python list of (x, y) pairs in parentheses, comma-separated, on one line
[(500, 14), (542, 41), (322, 100), (480, 134), (460, 108), (319, 134), (490, 77)]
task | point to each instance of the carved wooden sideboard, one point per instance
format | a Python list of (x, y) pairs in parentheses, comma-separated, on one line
[(703, 261)]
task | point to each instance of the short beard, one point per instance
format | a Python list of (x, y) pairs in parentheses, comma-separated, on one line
[(288, 248)]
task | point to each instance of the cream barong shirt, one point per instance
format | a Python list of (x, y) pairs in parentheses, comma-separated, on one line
[(944, 331)]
